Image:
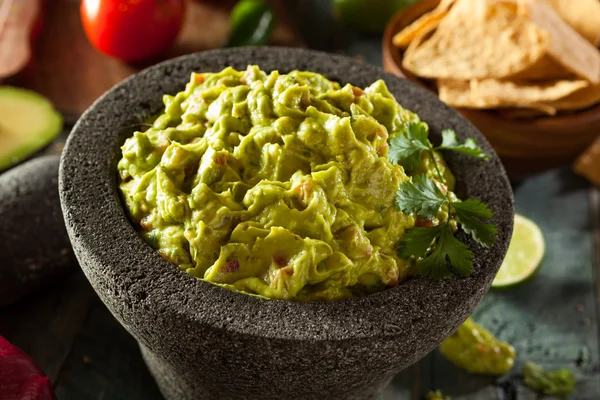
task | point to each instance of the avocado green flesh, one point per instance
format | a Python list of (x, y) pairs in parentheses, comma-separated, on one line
[(27, 123), (476, 350), (274, 184), (559, 383), (437, 395)]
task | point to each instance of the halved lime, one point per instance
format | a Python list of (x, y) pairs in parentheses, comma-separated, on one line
[(524, 255)]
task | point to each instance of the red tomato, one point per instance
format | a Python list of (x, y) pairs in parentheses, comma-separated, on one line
[(132, 30)]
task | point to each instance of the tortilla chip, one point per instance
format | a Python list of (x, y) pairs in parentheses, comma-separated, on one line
[(567, 47), (455, 93), (403, 38), (519, 7), (478, 39), (546, 68), (492, 93), (582, 15), (502, 93), (579, 100), (420, 37), (588, 164)]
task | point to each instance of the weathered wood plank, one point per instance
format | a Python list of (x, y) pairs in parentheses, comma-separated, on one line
[(105, 363), (595, 212), (408, 384), (552, 319), (45, 325)]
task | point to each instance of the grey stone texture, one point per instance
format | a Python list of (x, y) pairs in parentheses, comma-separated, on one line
[(201, 341), (34, 245)]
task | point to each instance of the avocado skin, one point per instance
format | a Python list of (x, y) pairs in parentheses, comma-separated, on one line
[(34, 246)]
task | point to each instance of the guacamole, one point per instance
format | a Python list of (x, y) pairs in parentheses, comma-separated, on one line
[(476, 350), (437, 395), (560, 383), (275, 184)]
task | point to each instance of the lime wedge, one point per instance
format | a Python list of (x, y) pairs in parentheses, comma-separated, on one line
[(524, 255)]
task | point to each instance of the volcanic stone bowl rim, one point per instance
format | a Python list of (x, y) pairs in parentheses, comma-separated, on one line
[(378, 315)]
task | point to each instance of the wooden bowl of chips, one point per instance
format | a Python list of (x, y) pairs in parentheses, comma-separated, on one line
[(529, 136)]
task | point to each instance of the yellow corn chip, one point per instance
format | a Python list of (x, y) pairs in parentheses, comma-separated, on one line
[(567, 47), (460, 94), (519, 7), (420, 37), (588, 164), (544, 68), (455, 93), (493, 93), (502, 92), (431, 19), (582, 15), (478, 39), (579, 100)]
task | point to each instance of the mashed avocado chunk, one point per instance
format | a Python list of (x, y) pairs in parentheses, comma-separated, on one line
[(274, 184), (476, 350)]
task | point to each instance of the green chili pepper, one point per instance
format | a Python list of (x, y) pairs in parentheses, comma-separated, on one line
[(368, 15), (251, 22)]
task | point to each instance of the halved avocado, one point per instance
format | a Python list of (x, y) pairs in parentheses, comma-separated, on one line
[(28, 122)]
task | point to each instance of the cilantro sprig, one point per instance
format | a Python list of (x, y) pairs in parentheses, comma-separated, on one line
[(406, 149), (436, 247)]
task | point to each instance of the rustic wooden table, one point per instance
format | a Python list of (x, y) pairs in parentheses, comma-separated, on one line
[(552, 319)]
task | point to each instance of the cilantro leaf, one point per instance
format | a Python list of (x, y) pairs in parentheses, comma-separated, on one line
[(469, 147), (405, 148), (476, 207), (447, 247), (421, 196), (416, 241), (469, 212)]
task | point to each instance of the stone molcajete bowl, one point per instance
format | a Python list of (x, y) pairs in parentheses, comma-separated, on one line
[(202, 341)]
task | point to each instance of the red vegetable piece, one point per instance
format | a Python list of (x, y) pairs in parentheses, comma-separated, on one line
[(280, 259), (20, 377), (427, 223), (132, 30), (232, 266)]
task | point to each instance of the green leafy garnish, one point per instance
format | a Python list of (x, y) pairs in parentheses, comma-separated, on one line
[(418, 241), (435, 246), (406, 149), (557, 383), (469, 147), (469, 212), (421, 196), (447, 246)]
